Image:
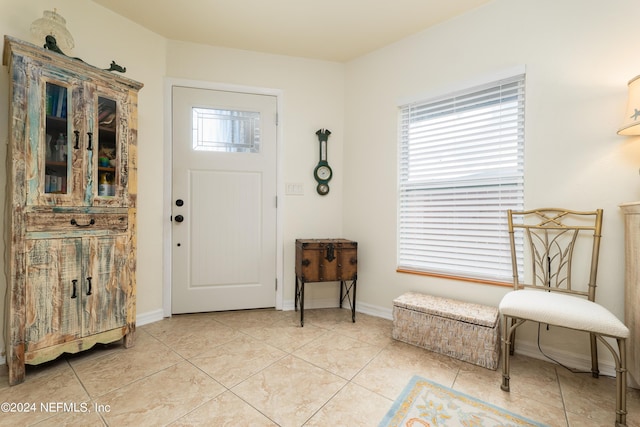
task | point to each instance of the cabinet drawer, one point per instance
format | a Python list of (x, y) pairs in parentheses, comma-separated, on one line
[(36, 222)]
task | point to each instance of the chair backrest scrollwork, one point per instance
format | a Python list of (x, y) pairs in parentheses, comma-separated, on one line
[(550, 238)]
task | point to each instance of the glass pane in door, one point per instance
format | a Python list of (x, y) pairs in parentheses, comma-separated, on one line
[(57, 147), (107, 146), (228, 131)]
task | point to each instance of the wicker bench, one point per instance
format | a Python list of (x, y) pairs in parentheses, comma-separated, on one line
[(465, 331)]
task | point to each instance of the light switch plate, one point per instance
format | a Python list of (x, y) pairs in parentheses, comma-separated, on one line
[(294, 189)]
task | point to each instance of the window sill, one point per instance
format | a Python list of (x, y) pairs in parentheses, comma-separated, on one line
[(464, 279)]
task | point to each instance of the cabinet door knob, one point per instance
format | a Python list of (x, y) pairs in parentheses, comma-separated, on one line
[(75, 283), (89, 145), (77, 134), (89, 282)]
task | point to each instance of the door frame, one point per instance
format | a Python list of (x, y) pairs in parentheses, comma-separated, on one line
[(169, 83)]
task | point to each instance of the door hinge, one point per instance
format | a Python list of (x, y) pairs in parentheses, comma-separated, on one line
[(276, 283)]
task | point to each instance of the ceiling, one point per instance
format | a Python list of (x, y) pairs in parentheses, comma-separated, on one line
[(333, 30)]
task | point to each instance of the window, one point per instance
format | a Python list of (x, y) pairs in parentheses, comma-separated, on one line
[(227, 131), (461, 167)]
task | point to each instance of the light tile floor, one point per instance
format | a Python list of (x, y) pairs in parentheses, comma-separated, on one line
[(260, 368)]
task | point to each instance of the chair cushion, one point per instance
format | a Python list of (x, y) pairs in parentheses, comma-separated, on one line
[(564, 310)]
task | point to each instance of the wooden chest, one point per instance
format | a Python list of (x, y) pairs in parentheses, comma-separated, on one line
[(326, 260)]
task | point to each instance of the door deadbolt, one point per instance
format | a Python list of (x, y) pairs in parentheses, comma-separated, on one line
[(179, 202)]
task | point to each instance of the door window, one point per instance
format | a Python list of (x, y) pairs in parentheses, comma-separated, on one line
[(227, 131)]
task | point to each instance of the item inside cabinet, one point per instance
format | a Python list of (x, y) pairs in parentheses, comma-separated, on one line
[(107, 140)]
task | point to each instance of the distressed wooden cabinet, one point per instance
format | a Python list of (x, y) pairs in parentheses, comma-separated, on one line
[(71, 206), (631, 213)]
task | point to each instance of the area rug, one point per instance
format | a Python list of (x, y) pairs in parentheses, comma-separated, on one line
[(425, 403)]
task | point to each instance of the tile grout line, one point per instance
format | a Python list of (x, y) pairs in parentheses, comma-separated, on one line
[(564, 405)]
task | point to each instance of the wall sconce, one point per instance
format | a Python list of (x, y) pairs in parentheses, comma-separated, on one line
[(631, 125), (52, 24)]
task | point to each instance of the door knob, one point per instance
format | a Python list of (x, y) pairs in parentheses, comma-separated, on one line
[(179, 202), (179, 218)]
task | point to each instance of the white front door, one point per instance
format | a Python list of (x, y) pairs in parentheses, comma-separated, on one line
[(224, 200)]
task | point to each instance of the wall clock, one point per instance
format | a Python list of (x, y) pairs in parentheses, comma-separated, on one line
[(322, 172)]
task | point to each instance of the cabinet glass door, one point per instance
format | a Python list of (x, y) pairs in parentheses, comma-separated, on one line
[(107, 146), (57, 158)]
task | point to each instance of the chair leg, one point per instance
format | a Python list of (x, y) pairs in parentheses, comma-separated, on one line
[(595, 371), (512, 347), (620, 357), (621, 384), (506, 352)]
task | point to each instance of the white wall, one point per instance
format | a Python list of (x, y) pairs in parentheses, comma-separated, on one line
[(579, 55), (100, 37)]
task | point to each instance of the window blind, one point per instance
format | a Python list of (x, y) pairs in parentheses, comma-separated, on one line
[(461, 167)]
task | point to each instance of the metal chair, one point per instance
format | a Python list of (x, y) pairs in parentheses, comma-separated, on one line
[(551, 238)]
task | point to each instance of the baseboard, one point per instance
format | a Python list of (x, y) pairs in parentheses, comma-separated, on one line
[(374, 310), (149, 317), (576, 361)]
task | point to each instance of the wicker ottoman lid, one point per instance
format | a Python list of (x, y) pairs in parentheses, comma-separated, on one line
[(476, 314)]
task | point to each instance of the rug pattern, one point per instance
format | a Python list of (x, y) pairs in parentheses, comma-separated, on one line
[(424, 403)]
